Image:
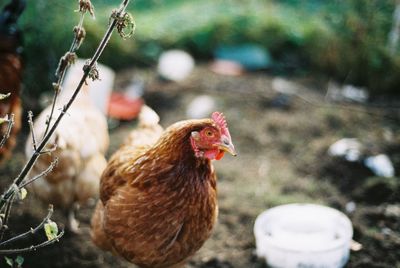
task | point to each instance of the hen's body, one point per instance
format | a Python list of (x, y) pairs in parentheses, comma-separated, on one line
[(81, 141), (10, 71), (158, 202)]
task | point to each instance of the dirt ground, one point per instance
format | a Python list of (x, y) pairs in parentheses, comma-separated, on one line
[(282, 141)]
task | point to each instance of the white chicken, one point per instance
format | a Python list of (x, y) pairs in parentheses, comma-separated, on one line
[(81, 141)]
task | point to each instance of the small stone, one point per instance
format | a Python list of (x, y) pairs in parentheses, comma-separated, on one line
[(392, 211), (284, 86), (350, 207), (386, 231), (355, 94), (380, 165), (347, 93), (355, 246), (348, 148)]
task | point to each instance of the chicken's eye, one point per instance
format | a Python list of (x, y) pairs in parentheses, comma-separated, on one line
[(209, 133)]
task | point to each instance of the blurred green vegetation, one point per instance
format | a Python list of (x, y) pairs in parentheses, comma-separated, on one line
[(344, 39)]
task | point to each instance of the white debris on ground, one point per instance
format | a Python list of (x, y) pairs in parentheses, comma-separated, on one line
[(355, 246), (350, 207), (175, 65), (201, 107), (351, 150), (392, 211), (380, 165), (346, 93), (284, 86), (348, 148)]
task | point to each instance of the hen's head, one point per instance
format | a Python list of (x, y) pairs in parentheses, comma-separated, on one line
[(212, 140)]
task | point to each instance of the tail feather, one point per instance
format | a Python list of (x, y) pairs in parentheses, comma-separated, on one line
[(148, 117), (148, 130)]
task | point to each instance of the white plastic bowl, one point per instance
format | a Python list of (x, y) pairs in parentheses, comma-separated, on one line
[(303, 235)]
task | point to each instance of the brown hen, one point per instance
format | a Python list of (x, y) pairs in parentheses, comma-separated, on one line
[(158, 201), (10, 71)]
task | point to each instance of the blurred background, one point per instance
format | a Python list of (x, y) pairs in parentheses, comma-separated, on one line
[(346, 40), (310, 89)]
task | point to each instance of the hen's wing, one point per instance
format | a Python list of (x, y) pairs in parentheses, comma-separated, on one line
[(135, 146), (117, 172)]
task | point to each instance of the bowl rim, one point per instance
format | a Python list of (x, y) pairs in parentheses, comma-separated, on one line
[(259, 234)]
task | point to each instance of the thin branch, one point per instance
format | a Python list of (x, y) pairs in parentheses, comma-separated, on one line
[(30, 122), (31, 231), (79, 35), (60, 73), (33, 247), (50, 150), (42, 174), (32, 160), (8, 130), (6, 216)]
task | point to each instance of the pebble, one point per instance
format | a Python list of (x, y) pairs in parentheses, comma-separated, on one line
[(392, 211), (349, 148), (380, 165), (350, 207)]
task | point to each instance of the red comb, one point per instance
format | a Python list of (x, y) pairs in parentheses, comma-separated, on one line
[(219, 119)]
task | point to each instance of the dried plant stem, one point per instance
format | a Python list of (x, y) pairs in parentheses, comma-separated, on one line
[(33, 247), (7, 212), (28, 166), (31, 231), (42, 174), (61, 75), (8, 130), (30, 122)]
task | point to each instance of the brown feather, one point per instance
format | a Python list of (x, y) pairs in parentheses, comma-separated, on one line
[(159, 202)]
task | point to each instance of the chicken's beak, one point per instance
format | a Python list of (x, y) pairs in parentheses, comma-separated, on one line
[(227, 146)]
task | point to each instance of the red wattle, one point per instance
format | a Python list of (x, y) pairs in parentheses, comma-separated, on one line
[(220, 155)]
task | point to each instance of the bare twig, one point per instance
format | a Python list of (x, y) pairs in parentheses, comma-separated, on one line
[(30, 122), (6, 216), (90, 71), (6, 135), (42, 174), (31, 231), (33, 247), (87, 69), (79, 35), (50, 150)]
